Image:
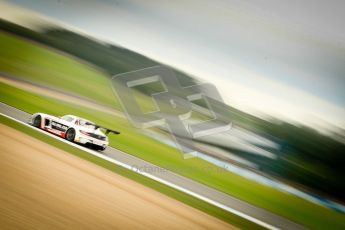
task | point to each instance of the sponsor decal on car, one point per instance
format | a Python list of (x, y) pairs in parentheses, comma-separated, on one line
[(58, 126)]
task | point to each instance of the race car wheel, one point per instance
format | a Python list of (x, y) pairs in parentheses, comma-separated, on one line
[(70, 135), (37, 121)]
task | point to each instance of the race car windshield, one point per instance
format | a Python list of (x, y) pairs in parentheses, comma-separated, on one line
[(86, 123), (67, 118)]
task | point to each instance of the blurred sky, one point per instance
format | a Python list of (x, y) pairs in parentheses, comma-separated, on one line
[(279, 58)]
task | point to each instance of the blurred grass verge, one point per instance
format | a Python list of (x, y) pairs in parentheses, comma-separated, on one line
[(40, 65)]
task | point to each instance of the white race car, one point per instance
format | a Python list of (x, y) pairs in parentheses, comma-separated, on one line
[(74, 129)]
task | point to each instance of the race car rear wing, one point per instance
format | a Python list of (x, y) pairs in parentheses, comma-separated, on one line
[(107, 131)]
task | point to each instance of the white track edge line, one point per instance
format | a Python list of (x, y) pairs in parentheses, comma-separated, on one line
[(191, 193)]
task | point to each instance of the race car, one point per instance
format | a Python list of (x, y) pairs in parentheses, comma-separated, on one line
[(74, 129)]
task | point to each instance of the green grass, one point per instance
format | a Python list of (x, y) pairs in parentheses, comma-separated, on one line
[(40, 65), (187, 199), (134, 143)]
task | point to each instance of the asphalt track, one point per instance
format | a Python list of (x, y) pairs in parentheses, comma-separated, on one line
[(210, 195)]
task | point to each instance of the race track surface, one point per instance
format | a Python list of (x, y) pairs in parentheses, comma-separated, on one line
[(43, 187)]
